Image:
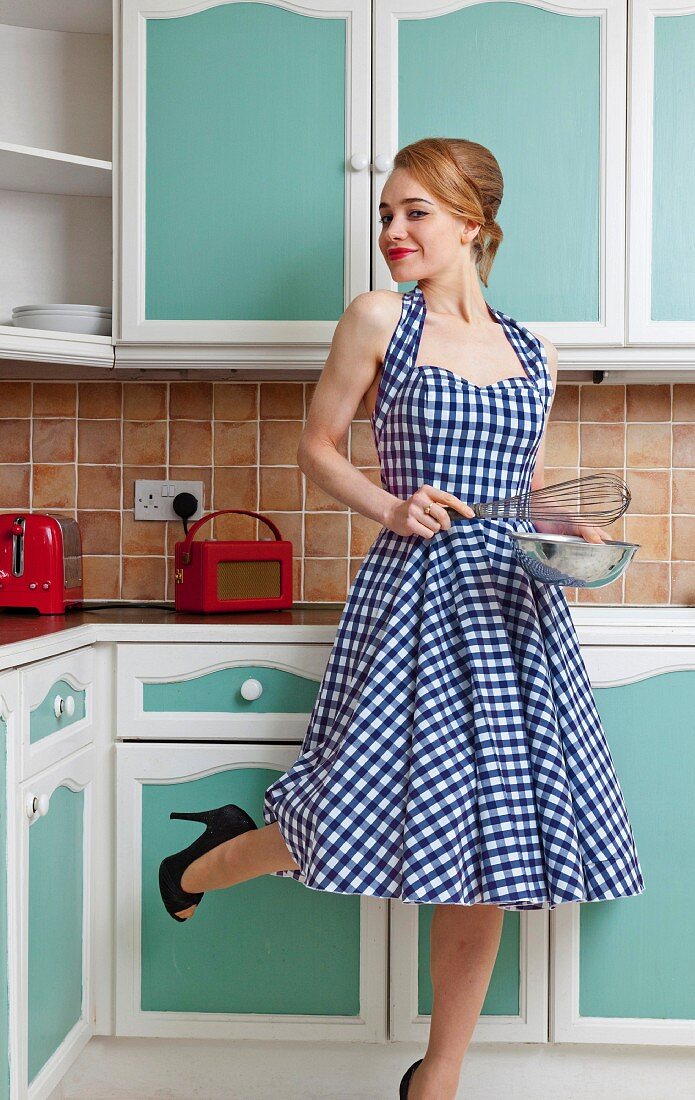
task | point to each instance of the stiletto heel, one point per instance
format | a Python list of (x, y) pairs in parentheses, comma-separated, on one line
[(405, 1081), (204, 816), (222, 824)]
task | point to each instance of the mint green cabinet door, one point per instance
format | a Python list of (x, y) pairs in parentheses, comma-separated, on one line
[(221, 692), (661, 218), (4, 991), (237, 956), (531, 90), (55, 932), (515, 1008), (54, 1001), (218, 691), (63, 705), (267, 957), (240, 124), (673, 220), (502, 997), (651, 727), (503, 993), (625, 967)]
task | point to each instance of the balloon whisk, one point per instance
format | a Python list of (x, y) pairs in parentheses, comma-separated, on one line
[(597, 499)]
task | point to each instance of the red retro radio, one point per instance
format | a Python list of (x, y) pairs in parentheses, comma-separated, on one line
[(232, 575)]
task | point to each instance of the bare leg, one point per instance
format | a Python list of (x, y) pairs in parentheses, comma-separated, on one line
[(464, 941), (257, 852)]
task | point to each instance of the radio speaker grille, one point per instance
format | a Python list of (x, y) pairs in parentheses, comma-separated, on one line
[(240, 580)]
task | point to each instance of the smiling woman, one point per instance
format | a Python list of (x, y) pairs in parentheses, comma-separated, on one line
[(454, 755)]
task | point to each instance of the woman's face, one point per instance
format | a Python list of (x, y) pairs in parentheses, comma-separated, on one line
[(418, 239)]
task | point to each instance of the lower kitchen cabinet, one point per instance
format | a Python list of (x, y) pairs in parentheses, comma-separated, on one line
[(270, 958), (624, 969), (53, 817), (267, 958)]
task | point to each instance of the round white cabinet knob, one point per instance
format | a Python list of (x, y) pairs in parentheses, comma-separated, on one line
[(383, 163), (37, 805), (69, 705), (359, 161), (58, 705), (251, 689)]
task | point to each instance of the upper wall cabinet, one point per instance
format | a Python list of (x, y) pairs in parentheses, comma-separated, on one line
[(246, 142), (662, 165), (542, 85), (248, 148)]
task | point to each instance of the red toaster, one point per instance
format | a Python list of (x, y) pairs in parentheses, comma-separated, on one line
[(40, 562), (232, 575)]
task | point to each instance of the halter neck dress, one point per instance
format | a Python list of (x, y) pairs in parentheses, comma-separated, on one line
[(454, 753)]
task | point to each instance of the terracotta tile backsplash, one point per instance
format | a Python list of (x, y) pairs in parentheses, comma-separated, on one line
[(77, 448)]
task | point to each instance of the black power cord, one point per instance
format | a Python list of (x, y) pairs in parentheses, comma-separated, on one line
[(185, 505)]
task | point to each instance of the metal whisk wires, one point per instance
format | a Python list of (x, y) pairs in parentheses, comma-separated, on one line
[(596, 499)]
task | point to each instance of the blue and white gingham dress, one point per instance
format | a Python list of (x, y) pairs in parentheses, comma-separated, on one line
[(454, 753)]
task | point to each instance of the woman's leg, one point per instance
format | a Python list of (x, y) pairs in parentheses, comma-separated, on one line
[(257, 852), (464, 940)]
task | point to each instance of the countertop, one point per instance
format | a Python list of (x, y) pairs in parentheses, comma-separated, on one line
[(28, 636)]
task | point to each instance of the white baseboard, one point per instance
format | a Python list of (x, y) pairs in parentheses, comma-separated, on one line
[(207, 1069)]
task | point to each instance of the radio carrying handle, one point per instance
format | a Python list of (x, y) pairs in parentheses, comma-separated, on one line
[(186, 552)]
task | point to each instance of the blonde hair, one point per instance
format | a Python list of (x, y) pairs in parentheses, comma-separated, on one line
[(465, 177)]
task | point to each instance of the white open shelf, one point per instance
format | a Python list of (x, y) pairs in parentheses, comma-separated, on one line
[(56, 172), (35, 345), (47, 172), (82, 16)]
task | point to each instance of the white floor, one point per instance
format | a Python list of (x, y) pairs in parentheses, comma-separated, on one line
[(173, 1069)]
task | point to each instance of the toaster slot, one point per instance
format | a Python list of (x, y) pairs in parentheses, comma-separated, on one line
[(18, 546)]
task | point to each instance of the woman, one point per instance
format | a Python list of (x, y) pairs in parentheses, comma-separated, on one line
[(454, 755)]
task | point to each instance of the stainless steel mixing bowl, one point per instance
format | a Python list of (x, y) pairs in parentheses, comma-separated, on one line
[(571, 560)]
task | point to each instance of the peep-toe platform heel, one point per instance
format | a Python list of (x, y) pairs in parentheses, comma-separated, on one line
[(222, 824)]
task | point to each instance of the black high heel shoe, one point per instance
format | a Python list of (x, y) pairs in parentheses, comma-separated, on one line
[(405, 1082), (222, 824)]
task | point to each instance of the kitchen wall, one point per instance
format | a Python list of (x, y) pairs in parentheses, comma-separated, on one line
[(76, 448)]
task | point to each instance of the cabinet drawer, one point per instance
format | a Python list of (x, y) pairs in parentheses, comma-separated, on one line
[(56, 708), (209, 692)]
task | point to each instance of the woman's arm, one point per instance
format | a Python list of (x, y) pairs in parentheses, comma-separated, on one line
[(349, 371)]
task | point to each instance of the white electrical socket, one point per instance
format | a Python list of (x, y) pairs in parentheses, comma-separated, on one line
[(154, 499)]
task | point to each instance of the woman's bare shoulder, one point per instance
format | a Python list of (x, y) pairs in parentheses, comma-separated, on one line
[(376, 305), (377, 312)]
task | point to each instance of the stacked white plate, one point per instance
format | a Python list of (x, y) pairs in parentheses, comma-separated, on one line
[(65, 317)]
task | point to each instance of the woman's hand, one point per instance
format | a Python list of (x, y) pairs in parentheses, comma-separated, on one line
[(408, 517), (589, 532)]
